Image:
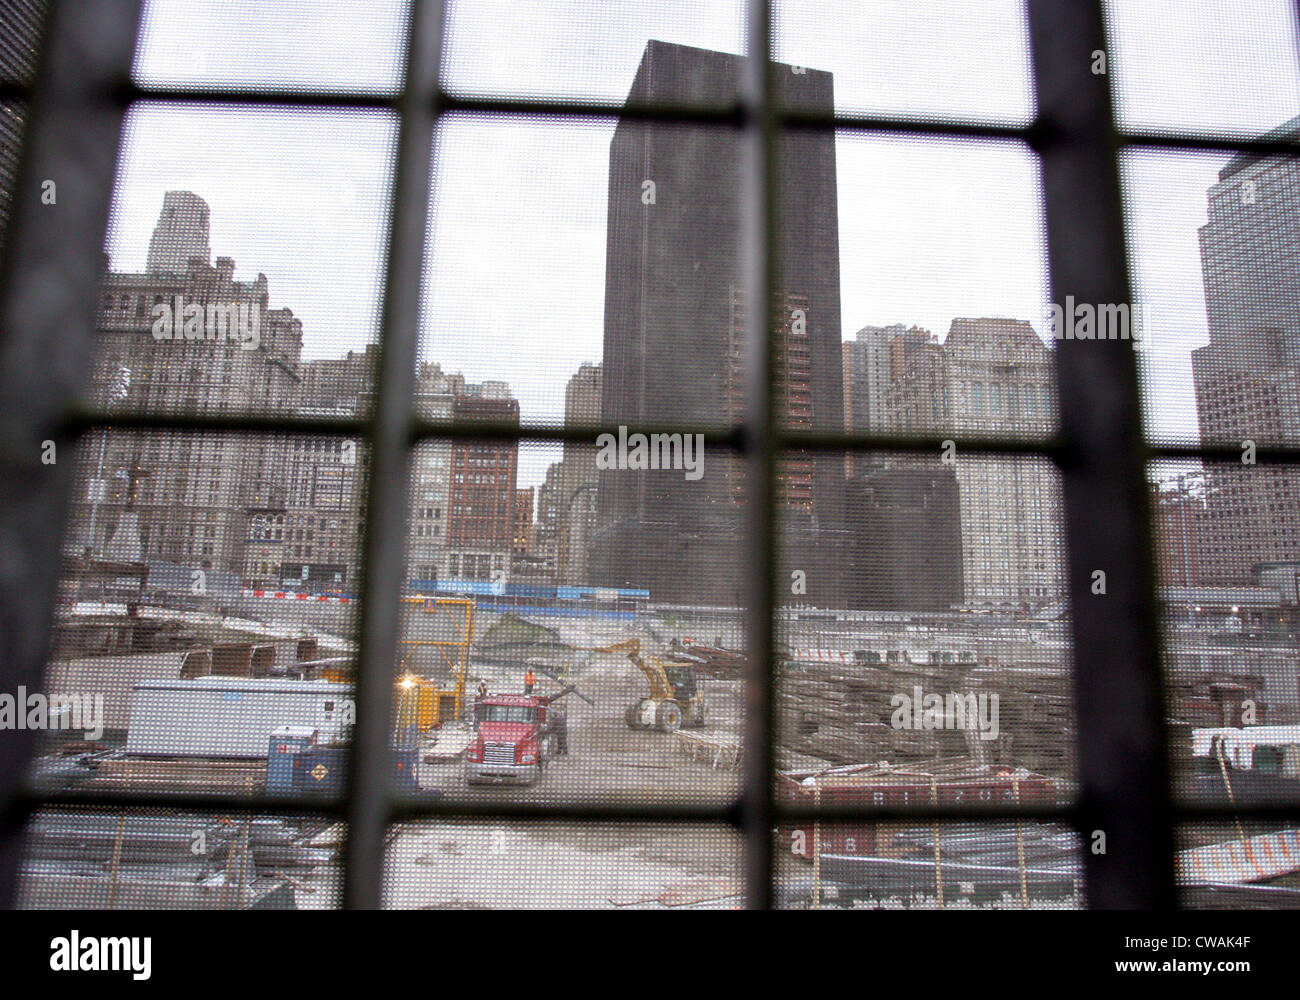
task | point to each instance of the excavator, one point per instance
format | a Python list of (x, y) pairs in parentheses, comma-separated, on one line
[(675, 700)]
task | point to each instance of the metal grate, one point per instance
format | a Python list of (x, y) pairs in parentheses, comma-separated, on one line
[(49, 282)]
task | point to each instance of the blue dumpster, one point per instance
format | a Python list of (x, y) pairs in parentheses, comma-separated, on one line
[(285, 745), (323, 770)]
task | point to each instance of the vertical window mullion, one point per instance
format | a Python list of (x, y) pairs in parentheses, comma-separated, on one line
[(48, 295), (368, 794), (759, 207), (1123, 771)]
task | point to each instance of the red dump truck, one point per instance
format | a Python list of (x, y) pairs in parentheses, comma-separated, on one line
[(515, 736)]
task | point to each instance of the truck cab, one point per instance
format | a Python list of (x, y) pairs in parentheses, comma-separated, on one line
[(515, 735)]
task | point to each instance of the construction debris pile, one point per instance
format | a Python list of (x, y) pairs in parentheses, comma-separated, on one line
[(1037, 720), (1219, 698), (113, 860), (843, 712), (710, 661)]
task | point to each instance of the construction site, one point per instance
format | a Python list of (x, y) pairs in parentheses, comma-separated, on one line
[(579, 710)]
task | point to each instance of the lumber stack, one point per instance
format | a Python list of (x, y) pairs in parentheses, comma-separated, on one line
[(179, 775)]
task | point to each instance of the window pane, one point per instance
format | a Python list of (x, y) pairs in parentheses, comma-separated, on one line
[(1192, 67), (476, 866), (943, 585), (282, 43), (1237, 866), (956, 866), (550, 633), (943, 255), (889, 57), (575, 50), (555, 244), (1212, 252), (245, 284), (165, 859), (1226, 537)]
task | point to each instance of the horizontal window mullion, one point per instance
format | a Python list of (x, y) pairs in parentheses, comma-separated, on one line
[(689, 114), (719, 437), (24, 804), (843, 441), (30, 802), (81, 423), (1225, 453), (1033, 133), (794, 119), (1208, 143), (130, 93)]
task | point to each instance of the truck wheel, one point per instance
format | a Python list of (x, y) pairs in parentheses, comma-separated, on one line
[(700, 715), (669, 716), (633, 715)]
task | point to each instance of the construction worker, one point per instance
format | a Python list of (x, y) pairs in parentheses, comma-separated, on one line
[(476, 714), (529, 680)]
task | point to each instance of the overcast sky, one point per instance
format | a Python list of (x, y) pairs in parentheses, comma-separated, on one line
[(929, 230)]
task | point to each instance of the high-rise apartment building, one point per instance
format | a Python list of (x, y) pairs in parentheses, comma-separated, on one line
[(875, 356)]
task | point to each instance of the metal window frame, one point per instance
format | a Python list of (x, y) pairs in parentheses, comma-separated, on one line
[(48, 289)]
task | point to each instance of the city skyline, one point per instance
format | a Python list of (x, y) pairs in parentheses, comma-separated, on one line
[(930, 231), (670, 352)]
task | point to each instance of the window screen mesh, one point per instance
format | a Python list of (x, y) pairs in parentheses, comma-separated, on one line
[(578, 538)]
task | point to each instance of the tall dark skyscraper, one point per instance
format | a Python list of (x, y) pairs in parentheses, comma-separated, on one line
[(675, 328), (1248, 377)]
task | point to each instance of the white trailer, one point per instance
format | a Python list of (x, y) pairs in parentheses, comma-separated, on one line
[(232, 716)]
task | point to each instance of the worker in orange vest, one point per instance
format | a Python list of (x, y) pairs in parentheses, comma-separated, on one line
[(529, 680)]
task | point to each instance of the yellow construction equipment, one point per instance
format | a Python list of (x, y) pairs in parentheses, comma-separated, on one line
[(441, 641), (675, 700)]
